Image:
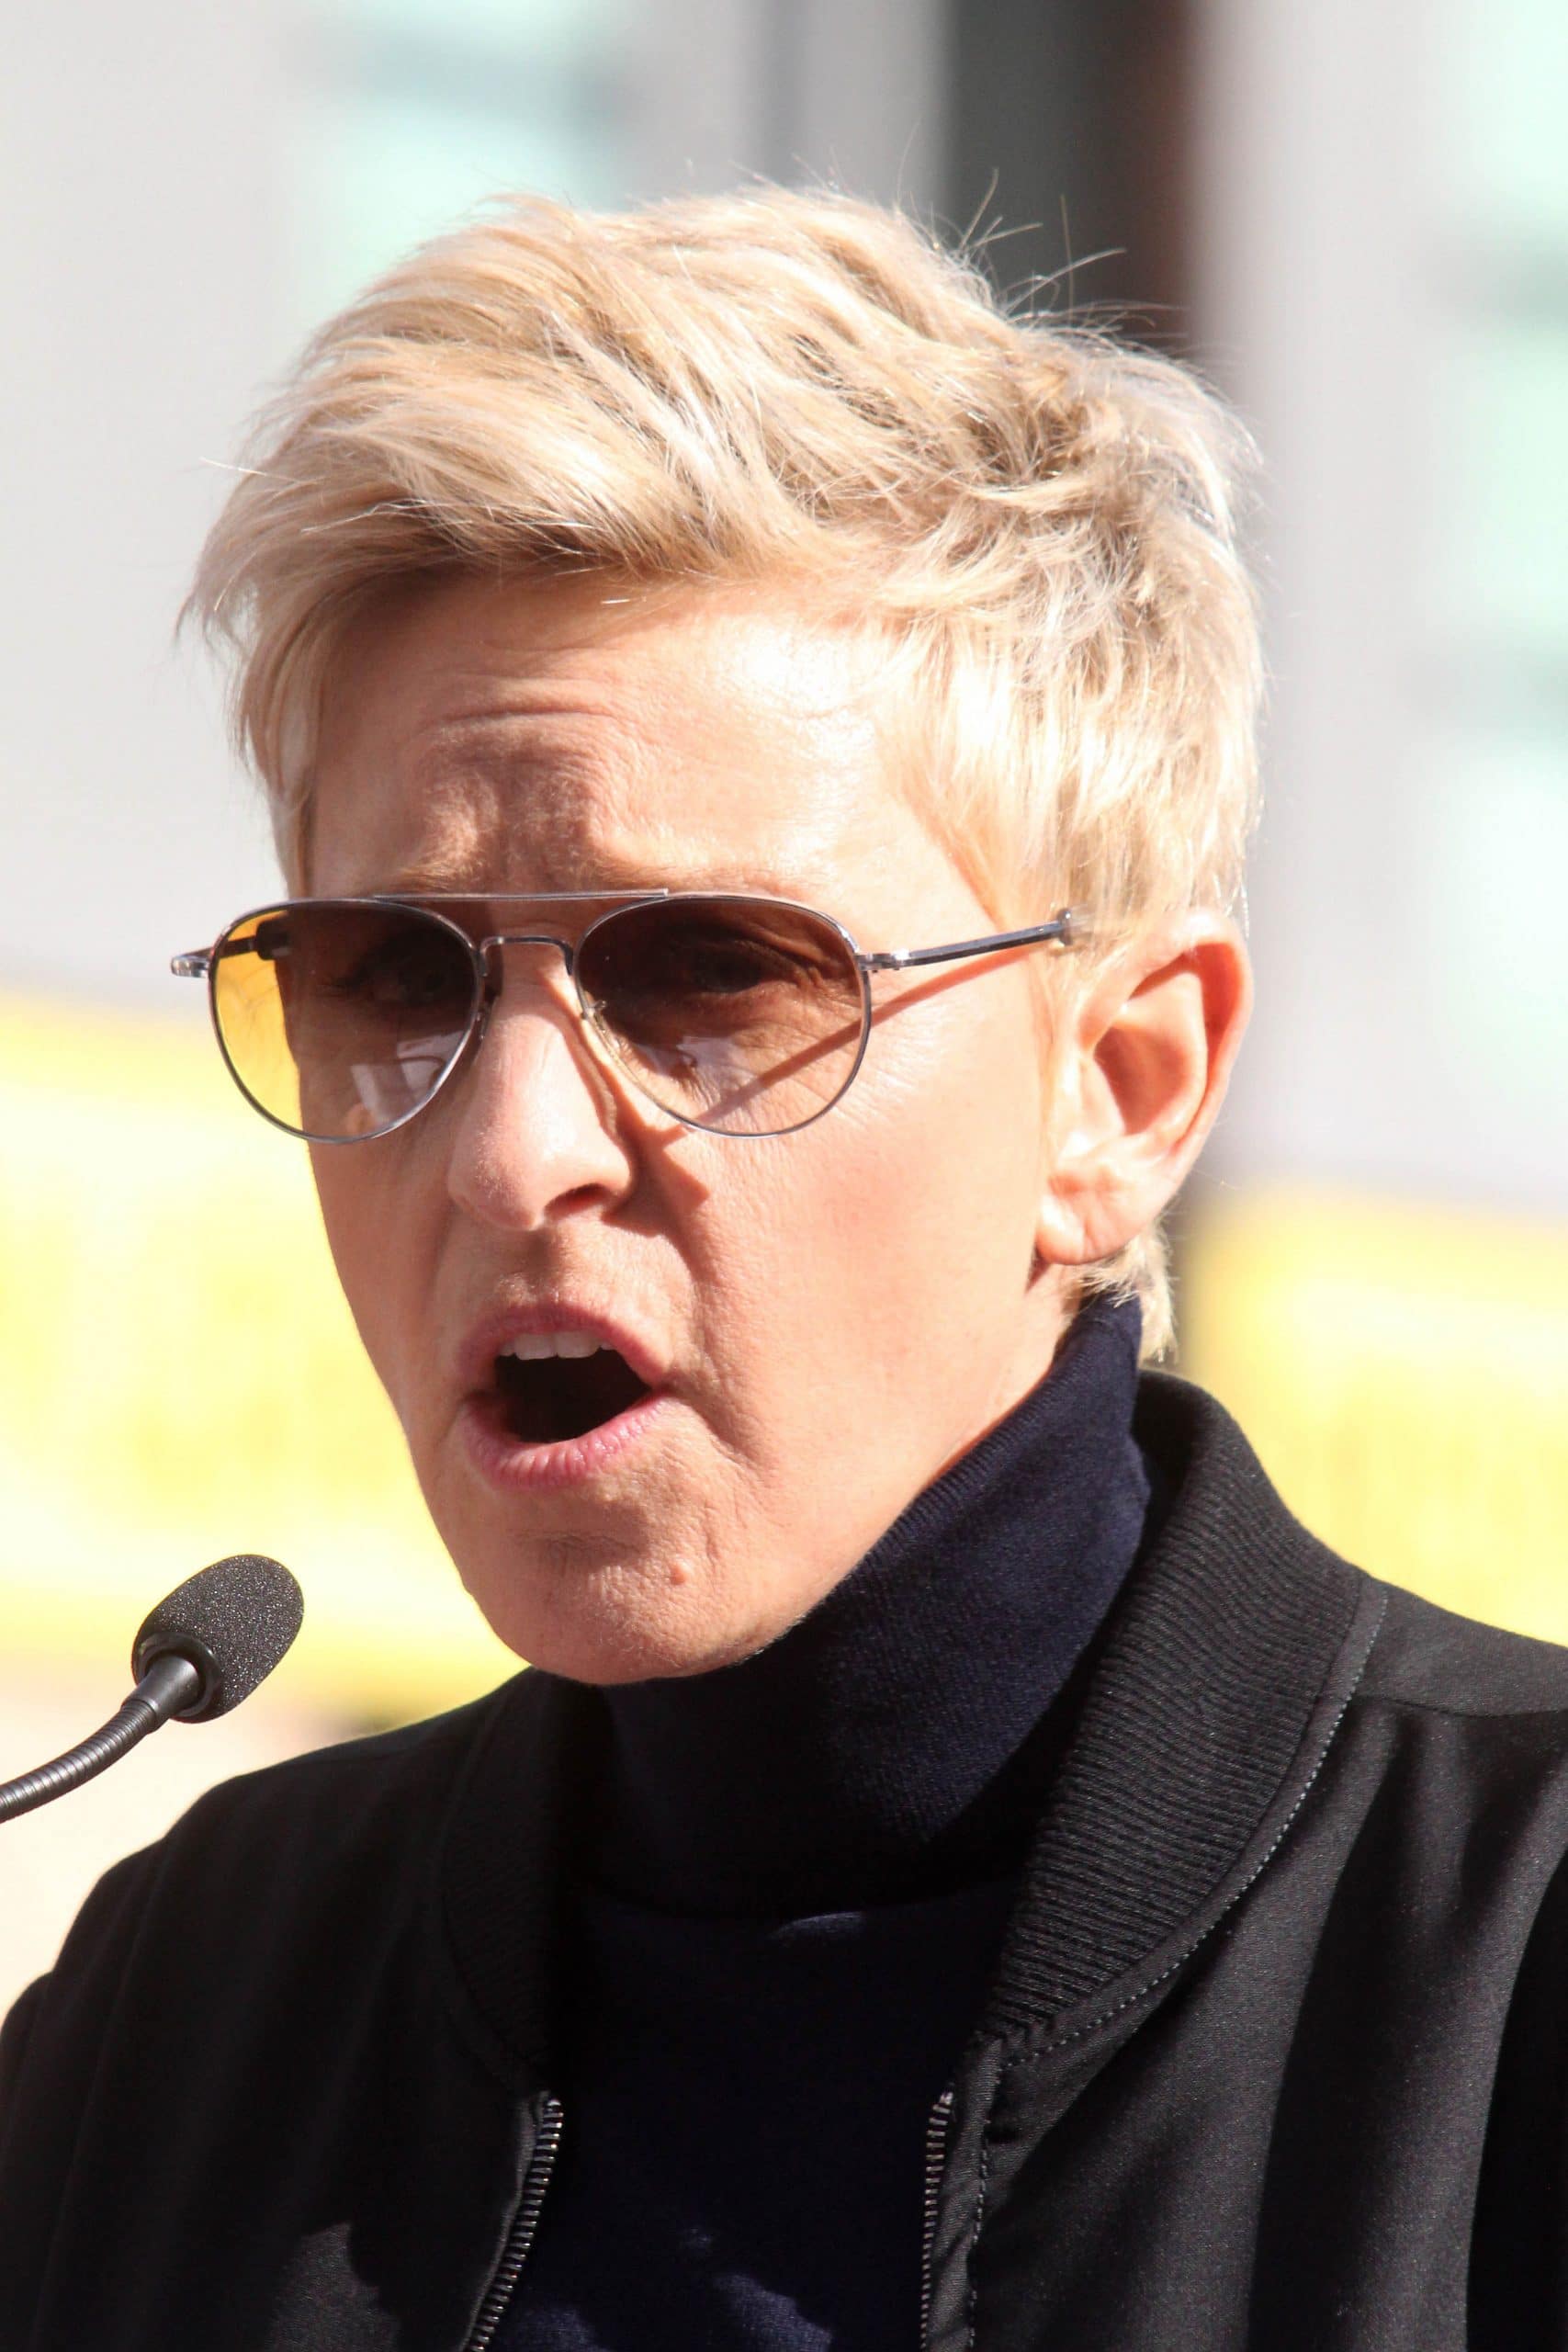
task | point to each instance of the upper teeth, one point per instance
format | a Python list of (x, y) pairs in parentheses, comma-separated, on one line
[(532, 1345)]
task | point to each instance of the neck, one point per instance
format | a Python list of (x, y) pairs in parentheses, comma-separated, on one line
[(896, 1742)]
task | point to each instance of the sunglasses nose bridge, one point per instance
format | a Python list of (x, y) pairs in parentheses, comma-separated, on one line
[(489, 952), (492, 954)]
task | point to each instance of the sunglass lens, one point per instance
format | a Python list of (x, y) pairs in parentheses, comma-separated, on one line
[(339, 1019), (742, 1015)]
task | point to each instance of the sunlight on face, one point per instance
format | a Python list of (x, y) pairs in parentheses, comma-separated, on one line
[(827, 1319)]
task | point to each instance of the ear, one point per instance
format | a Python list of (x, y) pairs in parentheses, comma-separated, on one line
[(1139, 1069)]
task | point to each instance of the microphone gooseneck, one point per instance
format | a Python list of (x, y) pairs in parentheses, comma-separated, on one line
[(203, 1649)]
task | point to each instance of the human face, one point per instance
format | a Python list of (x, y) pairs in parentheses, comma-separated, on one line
[(831, 1317)]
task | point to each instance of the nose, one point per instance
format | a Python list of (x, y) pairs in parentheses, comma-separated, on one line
[(538, 1132)]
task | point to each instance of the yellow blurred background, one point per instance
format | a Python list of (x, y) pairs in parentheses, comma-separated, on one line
[(180, 1377)]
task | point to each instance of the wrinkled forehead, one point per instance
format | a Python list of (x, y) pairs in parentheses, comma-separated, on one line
[(541, 736)]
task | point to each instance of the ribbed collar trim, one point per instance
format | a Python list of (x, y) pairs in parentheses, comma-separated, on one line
[(1215, 1664)]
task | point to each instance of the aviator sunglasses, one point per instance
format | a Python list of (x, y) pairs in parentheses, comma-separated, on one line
[(742, 1016)]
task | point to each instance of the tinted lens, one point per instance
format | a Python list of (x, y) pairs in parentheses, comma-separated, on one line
[(735, 1014), (339, 1019)]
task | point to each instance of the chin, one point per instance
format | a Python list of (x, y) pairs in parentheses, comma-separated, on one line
[(615, 1622)]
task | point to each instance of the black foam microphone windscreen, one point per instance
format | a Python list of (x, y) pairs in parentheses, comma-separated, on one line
[(233, 1620)]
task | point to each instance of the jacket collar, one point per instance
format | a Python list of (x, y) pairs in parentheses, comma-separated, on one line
[(1199, 1706), (1202, 1707)]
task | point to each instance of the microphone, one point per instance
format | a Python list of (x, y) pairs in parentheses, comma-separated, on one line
[(204, 1648)]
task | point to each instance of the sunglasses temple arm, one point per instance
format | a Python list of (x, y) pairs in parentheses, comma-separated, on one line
[(1066, 928)]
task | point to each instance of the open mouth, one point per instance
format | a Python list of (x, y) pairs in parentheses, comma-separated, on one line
[(546, 1399)]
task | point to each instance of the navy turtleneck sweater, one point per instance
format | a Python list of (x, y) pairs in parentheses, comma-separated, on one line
[(799, 1878)]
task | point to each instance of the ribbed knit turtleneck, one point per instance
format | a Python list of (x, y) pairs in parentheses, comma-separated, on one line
[(894, 1744)]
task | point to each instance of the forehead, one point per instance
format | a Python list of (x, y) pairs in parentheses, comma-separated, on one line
[(541, 735)]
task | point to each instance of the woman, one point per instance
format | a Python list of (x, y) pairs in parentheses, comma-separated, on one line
[(762, 747)]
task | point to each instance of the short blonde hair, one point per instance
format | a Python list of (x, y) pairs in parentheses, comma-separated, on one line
[(781, 388)]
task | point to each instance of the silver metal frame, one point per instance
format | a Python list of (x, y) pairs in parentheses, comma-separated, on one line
[(1064, 929)]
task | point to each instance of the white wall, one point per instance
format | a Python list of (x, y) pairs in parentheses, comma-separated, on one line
[(1412, 1021), (138, 287)]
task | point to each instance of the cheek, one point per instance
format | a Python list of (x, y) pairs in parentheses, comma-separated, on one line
[(960, 1077), (900, 1223), (370, 1208), (962, 1167)]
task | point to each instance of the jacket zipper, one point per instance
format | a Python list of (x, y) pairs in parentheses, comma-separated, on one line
[(524, 2222), (936, 2159), (536, 2180)]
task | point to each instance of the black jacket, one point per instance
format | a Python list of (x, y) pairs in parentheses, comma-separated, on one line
[(1276, 2055)]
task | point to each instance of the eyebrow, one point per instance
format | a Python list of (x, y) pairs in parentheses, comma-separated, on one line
[(420, 894), (434, 882)]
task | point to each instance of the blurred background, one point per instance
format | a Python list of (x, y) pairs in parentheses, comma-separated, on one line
[(1353, 218)]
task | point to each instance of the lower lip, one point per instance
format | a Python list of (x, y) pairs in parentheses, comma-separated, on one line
[(517, 1467)]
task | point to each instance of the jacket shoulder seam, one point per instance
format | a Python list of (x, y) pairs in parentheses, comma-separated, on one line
[(1407, 1703)]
